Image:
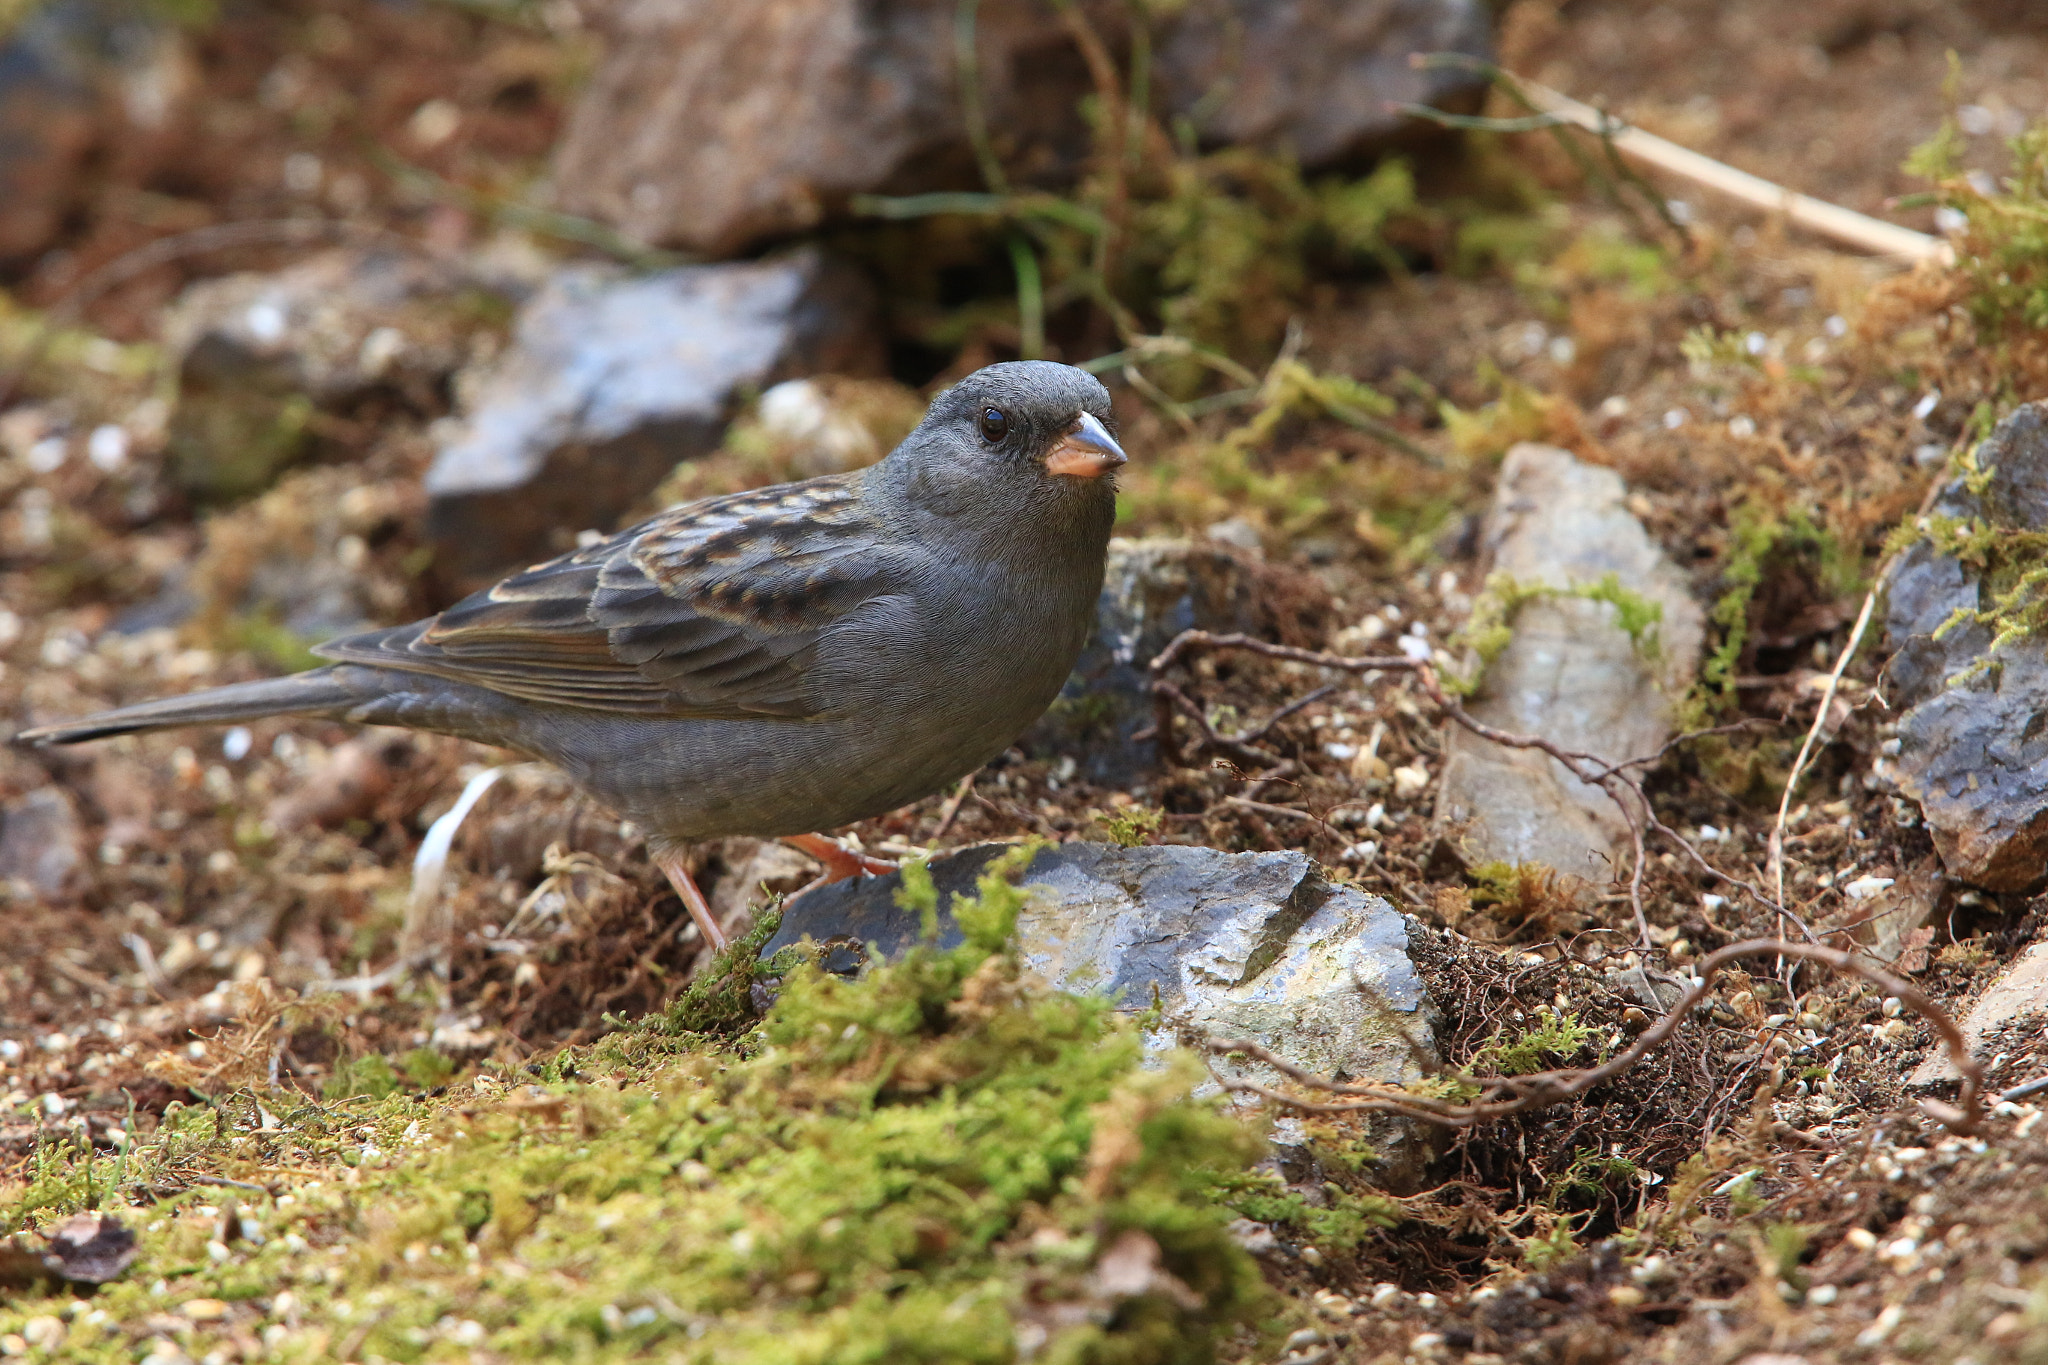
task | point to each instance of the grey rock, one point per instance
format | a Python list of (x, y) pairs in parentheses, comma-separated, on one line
[(712, 126), (2019, 991), (257, 353), (1570, 673), (1974, 734), (1315, 77), (42, 846), (610, 381), (1153, 590), (1657, 992), (1241, 945)]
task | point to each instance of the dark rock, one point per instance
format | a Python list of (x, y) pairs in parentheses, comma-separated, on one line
[(257, 354), (1153, 590), (1242, 945), (611, 381), (1315, 77), (1569, 673), (86, 1248), (42, 847), (85, 86), (1973, 737), (90, 1248), (713, 126)]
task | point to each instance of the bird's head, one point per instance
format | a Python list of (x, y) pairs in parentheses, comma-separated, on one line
[(1029, 427)]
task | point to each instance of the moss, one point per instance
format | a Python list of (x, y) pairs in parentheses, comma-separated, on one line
[(1552, 1244), (1131, 826), (2012, 563), (1220, 250), (1341, 1222), (1521, 413), (1555, 1036), (2002, 252), (1489, 629), (1761, 538), (228, 443), (721, 1000), (938, 1161), (261, 633)]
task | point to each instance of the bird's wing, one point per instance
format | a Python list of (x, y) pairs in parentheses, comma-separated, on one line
[(711, 609)]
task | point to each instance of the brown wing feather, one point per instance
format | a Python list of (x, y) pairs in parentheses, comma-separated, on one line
[(711, 609)]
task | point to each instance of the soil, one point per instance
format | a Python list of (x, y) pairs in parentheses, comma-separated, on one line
[(1762, 1189)]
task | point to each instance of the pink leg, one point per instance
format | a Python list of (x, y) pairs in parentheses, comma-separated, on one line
[(700, 909), (840, 862)]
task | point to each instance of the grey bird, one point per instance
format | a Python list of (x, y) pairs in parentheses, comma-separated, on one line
[(771, 663)]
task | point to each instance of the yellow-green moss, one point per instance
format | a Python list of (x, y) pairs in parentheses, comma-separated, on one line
[(933, 1162)]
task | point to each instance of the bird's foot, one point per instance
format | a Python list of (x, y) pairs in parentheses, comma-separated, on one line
[(840, 861), (678, 872)]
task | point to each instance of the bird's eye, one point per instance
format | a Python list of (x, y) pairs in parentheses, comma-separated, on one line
[(994, 425)]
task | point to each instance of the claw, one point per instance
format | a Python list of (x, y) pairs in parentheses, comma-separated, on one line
[(840, 862)]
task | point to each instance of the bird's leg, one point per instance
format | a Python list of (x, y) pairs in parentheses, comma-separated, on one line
[(840, 862), (678, 872)]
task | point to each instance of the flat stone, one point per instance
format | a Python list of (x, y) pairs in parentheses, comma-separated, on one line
[(258, 352), (1240, 945), (42, 846), (714, 126), (1974, 733), (1152, 590), (2021, 989), (610, 381), (1570, 674)]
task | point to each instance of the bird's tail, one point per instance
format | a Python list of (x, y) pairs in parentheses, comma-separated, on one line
[(300, 694)]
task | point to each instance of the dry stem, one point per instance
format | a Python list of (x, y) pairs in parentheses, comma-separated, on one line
[(1500, 1096), (1615, 779)]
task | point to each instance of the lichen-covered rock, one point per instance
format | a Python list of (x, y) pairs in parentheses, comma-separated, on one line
[(1241, 945), (610, 381), (1972, 736), (1153, 590), (712, 126), (1569, 673), (258, 353)]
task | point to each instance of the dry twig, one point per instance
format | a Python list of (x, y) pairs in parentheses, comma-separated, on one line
[(1615, 779), (1500, 1096)]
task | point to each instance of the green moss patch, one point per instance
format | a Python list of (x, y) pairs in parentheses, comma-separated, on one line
[(939, 1161)]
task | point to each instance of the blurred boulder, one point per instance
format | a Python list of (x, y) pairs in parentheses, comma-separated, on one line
[(85, 86), (42, 845), (610, 381), (1569, 672), (1315, 77), (1153, 590), (259, 353), (714, 126), (1973, 739), (1256, 946)]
